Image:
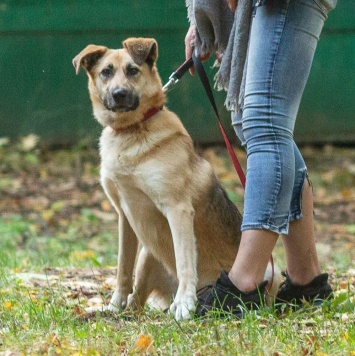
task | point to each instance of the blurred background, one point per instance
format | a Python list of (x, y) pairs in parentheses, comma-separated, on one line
[(41, 95)]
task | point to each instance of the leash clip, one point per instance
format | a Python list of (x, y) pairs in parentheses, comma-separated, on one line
[(172, 81), (175, 76)]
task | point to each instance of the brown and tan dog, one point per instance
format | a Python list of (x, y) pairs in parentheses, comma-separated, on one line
[(168, 199)]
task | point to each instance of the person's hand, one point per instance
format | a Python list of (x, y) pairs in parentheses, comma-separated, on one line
[(232, 4), (190, 38)]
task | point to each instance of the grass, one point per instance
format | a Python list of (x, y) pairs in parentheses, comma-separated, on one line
[(56, 257), (46, 319), (45, 322), (22, 247)]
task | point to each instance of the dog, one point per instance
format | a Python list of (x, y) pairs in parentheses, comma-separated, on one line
[(172, 211)]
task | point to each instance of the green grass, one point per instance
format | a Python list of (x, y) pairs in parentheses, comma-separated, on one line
[(22, 247), (40, 240), (46, 324), (45, 319)]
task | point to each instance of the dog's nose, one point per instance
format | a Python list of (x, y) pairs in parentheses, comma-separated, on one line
[(119, 94)]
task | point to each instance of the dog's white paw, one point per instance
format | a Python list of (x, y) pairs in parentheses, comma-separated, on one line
[(118, 302), (101, 309), (184, 307)]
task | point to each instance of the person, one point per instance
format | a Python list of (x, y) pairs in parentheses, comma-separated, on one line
[(265, 49)]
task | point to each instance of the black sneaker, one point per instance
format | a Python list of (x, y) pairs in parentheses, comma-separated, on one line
[(315, 292), (225, 299)]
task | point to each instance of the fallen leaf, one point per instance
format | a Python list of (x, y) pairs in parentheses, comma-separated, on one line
[(78, 310), (343, 284), (4, 141), (7, 305), (144, 343), (82, 255), (106, 205), (29, 142), (344, 318), (53, 340)]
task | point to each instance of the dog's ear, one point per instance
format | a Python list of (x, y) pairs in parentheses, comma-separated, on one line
[(88, 57), (142, 50)]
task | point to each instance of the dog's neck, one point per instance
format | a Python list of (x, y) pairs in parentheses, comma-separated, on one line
[(150, 113), (146, 116)]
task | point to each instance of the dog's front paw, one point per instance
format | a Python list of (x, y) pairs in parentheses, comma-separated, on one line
[(118, 302), (184, 307)]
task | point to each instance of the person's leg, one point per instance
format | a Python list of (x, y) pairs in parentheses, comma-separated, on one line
[(304, 280), (301, 237), (283, 39), (253, 256), (284, 36)]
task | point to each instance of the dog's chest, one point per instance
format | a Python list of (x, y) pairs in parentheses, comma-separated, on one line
[(125, 154), (139, 192), (136, 173), (117, 159)]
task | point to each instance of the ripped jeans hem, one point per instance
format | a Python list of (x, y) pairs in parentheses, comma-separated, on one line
[(280, 230)]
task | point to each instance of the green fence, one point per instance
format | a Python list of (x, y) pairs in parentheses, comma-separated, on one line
[(40, 93)]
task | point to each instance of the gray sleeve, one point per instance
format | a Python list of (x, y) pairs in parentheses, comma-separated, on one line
[(190, 11)]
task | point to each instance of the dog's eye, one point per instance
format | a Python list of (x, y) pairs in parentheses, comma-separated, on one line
[(107, 72), (131, 71)]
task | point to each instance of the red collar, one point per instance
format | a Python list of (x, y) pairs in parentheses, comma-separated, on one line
[(146, 116), (151, 112)]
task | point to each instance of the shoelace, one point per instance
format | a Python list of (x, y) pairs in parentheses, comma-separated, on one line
[(204, 293), (283, 285)]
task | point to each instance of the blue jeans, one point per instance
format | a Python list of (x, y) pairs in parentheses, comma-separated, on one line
[(283, 39)]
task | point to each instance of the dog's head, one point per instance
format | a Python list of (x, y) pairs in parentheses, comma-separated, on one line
[(123, 83)]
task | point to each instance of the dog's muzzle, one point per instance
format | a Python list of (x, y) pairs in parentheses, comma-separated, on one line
[(121, 100)]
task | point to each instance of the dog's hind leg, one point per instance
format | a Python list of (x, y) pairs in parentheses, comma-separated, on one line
[(151, 276)]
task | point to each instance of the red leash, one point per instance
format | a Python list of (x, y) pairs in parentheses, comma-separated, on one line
[(203, 76), (176, 76), (173, 79)]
